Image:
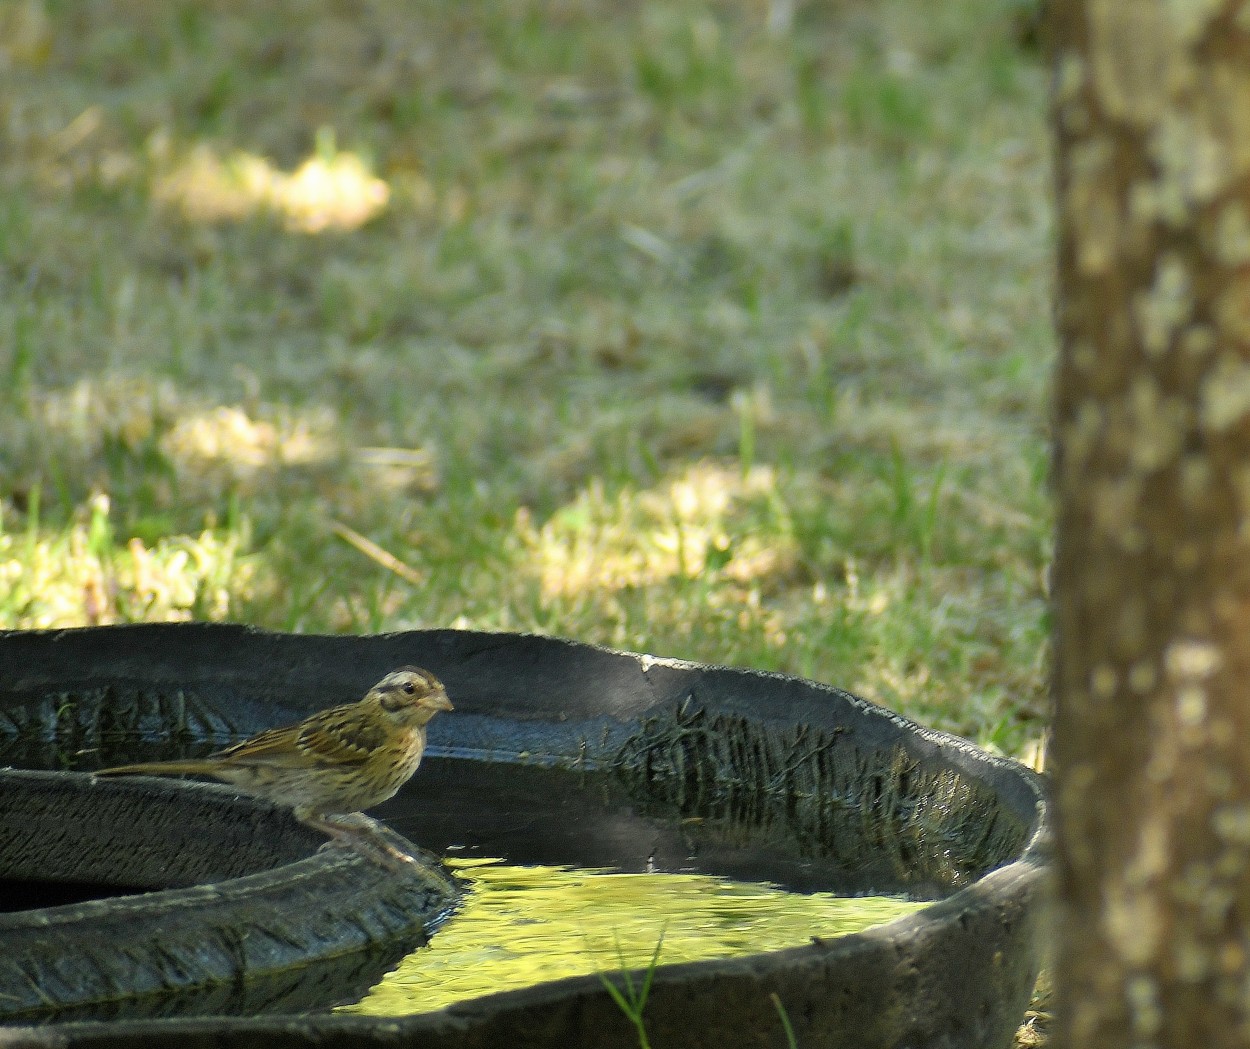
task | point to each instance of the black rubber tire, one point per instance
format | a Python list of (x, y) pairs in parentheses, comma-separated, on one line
[(925, 808), (202, 901)]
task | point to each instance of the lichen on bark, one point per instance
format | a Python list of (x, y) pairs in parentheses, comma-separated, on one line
[(1151, 116)]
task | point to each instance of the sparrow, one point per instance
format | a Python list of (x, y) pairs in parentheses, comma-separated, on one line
[(335, 762)]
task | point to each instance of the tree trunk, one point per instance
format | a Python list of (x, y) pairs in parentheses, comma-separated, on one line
[(1151, 110)]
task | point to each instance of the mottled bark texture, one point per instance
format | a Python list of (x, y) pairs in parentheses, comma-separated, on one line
[(1151, 111)]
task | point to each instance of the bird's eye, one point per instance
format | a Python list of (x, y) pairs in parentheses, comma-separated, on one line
[(409, 688)]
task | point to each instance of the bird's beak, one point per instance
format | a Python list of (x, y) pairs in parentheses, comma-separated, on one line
[(438, 701)]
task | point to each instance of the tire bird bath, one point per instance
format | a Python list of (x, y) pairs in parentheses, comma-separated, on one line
[(163, 906)]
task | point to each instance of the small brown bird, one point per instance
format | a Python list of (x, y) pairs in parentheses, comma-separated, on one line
[(337, 761)]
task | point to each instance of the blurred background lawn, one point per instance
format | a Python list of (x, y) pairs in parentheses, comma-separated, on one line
[(716, 330)]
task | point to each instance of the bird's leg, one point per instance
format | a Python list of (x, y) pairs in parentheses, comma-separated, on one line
[(356, 830)]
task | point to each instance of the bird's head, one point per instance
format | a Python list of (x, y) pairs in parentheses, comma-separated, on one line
[(411, 695)]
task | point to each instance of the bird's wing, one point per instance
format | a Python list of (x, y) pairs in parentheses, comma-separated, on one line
[(264, 745), (335, 736), (342, 736)]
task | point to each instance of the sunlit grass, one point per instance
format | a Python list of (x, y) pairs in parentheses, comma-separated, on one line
[(718, 331), (81, 575), (680, 531), (525, 925), (329, 191)]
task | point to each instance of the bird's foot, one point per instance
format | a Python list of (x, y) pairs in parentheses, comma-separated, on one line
[(357, 831)]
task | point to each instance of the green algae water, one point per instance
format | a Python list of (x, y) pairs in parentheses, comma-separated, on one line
[(522, 925)]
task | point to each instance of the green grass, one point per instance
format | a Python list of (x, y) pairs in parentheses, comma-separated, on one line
[(631, 998), (647, 324)]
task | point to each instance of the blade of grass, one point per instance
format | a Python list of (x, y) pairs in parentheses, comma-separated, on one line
[(791, 1042), (378, 554), (633, 1000)]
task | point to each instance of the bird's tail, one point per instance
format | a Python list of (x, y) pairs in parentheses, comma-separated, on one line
[(162, 768)]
